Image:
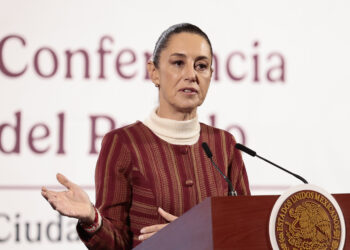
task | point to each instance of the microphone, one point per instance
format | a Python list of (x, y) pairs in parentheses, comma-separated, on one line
[(253, 153), (207, 151)]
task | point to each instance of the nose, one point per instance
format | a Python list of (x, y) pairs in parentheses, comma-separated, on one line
[(190, 73)]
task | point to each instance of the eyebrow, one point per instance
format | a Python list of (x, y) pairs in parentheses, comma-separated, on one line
[(183, 55)]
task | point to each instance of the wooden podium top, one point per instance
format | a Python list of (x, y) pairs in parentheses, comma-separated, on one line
[(240, 222)]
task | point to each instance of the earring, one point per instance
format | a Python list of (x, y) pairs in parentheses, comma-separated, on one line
[(156, 85)]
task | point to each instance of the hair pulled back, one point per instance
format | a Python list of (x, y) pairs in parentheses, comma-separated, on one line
[(164, 38)]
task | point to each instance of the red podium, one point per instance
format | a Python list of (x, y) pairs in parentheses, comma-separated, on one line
[(227, 223)]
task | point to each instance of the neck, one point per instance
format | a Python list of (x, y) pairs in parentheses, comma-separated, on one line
[(178, 115), (172, 131)]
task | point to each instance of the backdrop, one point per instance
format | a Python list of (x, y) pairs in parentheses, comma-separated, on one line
[(72, 70)]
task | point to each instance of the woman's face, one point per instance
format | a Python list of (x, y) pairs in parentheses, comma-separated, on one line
[(183, 74)]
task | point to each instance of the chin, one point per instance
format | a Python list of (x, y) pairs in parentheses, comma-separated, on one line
[(187, 105), (187, 108)]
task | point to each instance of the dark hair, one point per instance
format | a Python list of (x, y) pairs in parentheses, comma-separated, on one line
[(163, 40)]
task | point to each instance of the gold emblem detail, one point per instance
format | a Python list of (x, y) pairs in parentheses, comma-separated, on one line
[(307, 220)]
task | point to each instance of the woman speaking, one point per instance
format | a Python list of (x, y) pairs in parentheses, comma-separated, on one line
[(149, 173)]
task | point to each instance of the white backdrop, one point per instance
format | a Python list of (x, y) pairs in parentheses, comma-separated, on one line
[(291, 104)]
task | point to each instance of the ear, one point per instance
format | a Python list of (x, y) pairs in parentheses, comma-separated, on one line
[(153, 72)]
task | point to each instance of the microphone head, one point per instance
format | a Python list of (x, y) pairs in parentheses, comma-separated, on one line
[(245, 149), (207, 150)]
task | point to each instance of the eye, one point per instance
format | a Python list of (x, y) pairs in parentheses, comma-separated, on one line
[(178, 63), (201, 66)]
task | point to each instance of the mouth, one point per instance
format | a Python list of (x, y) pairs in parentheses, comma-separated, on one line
[(189, 90)]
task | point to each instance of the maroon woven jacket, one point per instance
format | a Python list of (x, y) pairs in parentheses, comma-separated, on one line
[(137, 172)]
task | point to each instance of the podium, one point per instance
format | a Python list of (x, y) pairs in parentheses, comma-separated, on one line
[(240, 222)]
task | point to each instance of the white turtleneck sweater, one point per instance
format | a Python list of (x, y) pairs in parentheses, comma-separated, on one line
[(172, 131)]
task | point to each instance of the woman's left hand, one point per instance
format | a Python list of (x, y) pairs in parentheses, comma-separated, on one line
[(147, 232)]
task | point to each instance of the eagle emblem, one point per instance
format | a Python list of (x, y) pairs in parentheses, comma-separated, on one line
[(311, 227), (307, 220)]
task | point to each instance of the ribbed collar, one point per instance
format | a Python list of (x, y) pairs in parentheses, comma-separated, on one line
[(172, 131)]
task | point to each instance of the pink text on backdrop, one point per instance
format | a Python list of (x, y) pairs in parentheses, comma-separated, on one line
[(255, 66)]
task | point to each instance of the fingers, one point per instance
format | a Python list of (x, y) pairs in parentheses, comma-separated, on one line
[(50, 196), (145, 236), (55, 200), (153, 228), (64, 181), (166, 216), (147, 232), (45, 192)]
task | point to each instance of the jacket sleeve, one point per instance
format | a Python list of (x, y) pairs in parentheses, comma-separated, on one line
[(113, 196), (237, 171)]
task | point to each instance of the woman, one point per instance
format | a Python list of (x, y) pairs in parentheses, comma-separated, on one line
[(148, 173)]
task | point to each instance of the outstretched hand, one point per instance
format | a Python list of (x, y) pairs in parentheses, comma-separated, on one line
[(74, 202), (147, 232)]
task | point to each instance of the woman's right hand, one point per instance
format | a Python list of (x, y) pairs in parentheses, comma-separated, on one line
[(73, 202)]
